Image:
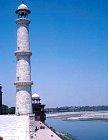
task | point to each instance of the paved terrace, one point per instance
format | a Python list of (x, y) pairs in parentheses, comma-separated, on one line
[(44, 133), (14, 127), (17, 128)]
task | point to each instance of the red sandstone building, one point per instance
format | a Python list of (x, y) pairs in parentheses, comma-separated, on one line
[(38, 108)]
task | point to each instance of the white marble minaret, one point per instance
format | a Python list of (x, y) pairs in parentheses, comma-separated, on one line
[(23, 81)]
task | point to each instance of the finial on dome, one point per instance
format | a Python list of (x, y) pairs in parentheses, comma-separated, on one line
[(23, 1)]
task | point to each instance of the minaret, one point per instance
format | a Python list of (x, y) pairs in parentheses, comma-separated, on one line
[(0, 99), (23, 81)]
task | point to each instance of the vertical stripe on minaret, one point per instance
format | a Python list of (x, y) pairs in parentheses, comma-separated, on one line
[(23, 81)]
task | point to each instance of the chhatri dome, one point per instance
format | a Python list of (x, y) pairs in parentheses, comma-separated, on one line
[(35, 96), (22, 6)]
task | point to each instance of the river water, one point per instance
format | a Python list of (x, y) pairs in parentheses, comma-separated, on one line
[(84, 130)]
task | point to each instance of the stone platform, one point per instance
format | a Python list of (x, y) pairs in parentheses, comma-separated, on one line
[(22, 128), (14, 127)]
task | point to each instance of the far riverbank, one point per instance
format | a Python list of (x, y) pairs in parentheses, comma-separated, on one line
[(85, 115)]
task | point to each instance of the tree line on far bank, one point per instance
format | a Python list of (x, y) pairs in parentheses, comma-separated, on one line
[(6, 110), (76, 109), (11, 110)]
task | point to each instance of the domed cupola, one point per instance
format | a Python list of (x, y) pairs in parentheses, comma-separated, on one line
[(35, 96), (22, 11)]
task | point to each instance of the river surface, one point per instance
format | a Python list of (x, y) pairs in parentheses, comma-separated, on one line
[(84, 130)]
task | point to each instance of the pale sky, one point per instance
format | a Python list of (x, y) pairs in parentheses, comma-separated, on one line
[(69, 42)]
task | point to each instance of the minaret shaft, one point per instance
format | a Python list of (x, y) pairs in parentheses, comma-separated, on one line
[(23, 68), (23, 34), (23, 72)]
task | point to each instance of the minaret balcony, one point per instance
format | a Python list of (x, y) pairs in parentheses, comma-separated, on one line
[(22, 53), (23, 83), (22, 21)]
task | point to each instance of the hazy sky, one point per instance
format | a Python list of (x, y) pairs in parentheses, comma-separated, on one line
[(69, 42)]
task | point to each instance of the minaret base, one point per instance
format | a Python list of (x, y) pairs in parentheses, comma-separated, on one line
[(23, 100)]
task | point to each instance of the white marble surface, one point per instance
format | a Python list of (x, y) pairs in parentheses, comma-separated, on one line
[(23, 68), (14, 127)]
